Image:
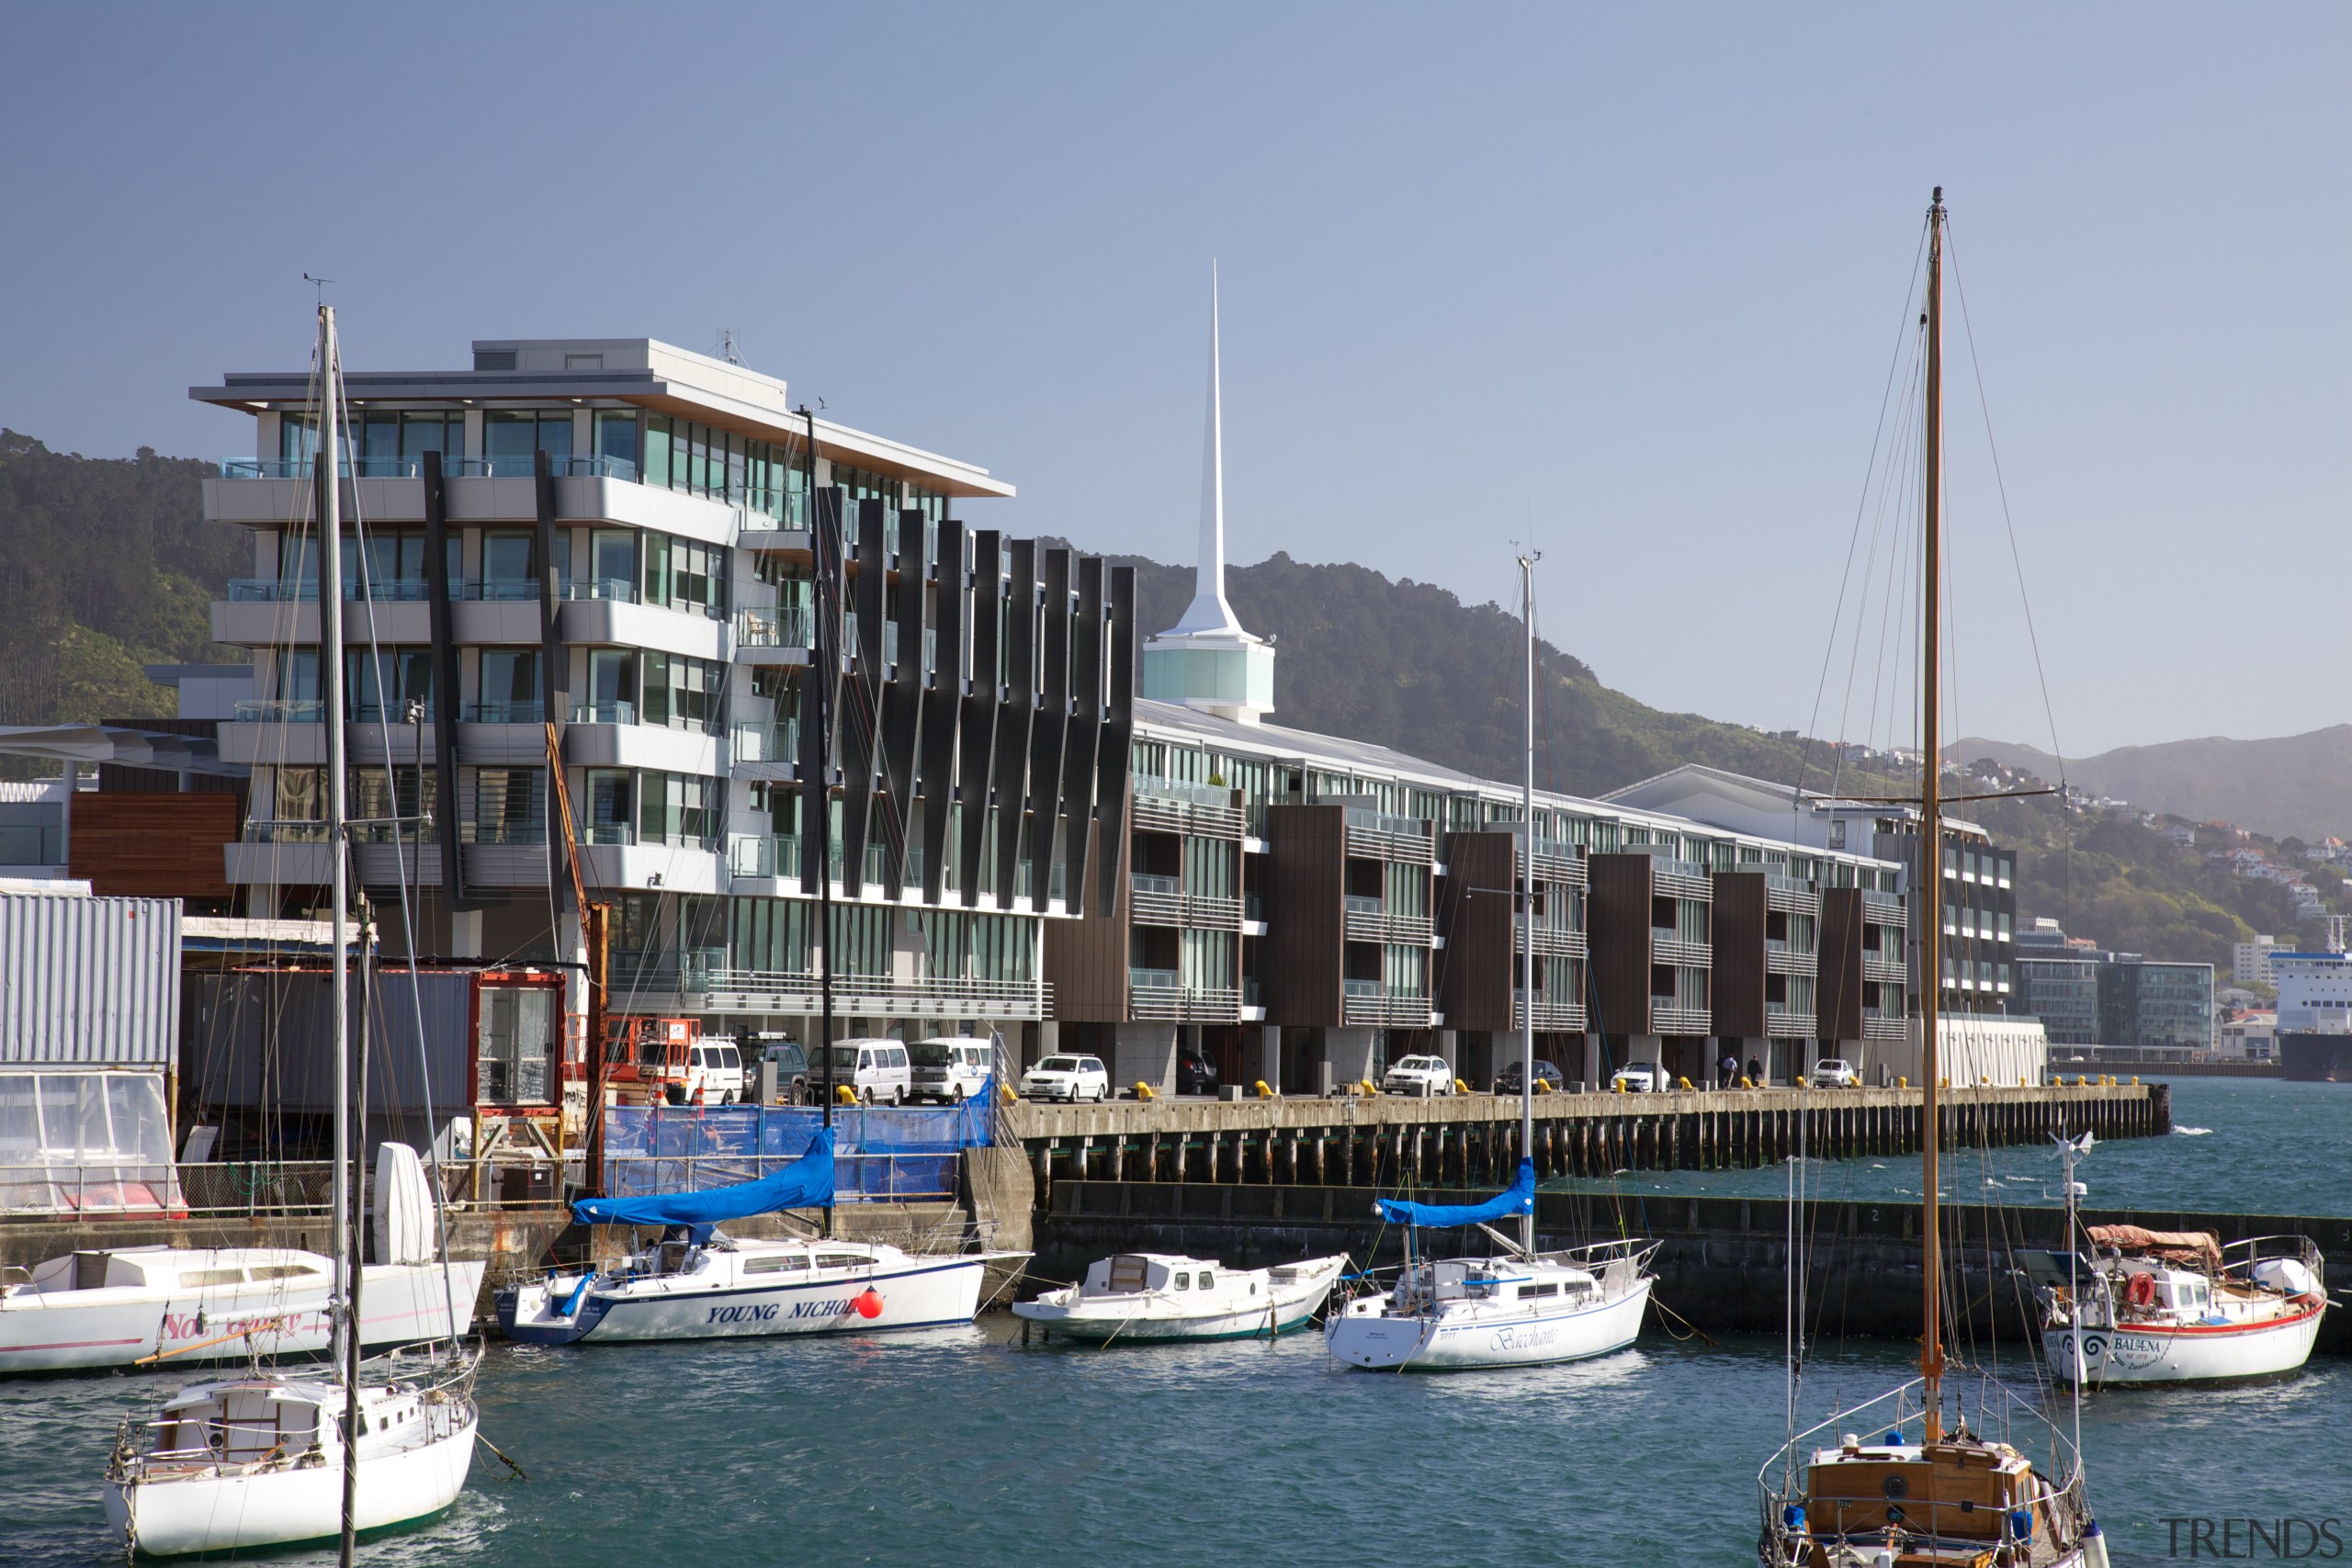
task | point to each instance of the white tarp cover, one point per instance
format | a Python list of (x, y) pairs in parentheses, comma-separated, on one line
[(404, 1207)]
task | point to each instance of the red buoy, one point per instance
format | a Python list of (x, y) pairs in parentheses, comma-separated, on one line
[(868, 1302)]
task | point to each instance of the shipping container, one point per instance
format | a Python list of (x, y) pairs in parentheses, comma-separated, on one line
[(88, 982)]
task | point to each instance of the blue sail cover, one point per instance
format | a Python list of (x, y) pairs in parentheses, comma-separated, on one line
[(1520, 1199), (805, 1183)]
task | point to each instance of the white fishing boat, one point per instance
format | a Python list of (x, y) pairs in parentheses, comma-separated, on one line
[(699, 1283), (158, 1306), (275, 1458), (1161, 1296), (1907, 1482), (1519, 1306), (2176, 1306)]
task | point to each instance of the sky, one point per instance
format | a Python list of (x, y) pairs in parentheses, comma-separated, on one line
[(1623, 283)]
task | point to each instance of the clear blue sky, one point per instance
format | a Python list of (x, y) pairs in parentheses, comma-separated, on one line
[(1622, 280)]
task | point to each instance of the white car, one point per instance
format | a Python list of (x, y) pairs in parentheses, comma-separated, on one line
[(1831, 1073), (876, 1070), (1417, 1075), (1071, 1078), (1638, 1079), (950, 1069)]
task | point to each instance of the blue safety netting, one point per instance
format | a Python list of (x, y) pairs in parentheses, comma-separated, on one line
[(805, 1183), (1519, 1199), (878, 1153)]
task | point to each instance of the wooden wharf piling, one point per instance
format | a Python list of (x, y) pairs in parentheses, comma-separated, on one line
[(1472, 1140)]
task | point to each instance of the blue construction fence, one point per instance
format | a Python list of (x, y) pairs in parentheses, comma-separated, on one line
[(879, 1155)]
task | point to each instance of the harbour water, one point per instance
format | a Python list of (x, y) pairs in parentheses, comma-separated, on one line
[(2238, 1145), (962, 1447)]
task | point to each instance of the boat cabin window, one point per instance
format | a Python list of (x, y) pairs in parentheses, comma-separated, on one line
[(1207, 1279), (192, 1278), (840, 1260), (1527, 1292), (780, 1263), (284, 1271), (1128, 1275), (1183, 1280)]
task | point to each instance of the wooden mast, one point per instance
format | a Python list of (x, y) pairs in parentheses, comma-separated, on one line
[(1929, 888)]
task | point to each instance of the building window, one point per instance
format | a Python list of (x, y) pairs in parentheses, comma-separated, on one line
[(510, 687)]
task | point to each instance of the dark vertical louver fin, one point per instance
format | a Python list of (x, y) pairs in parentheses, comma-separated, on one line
[(975, 767), (1085, 736), (943, 703), (1110, 769), (1050, 730), (902, 705), (1016, 716), (861, 685), (555, 672), (445, 712), (821, 687)]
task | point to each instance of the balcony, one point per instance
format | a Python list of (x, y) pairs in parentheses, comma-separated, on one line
[(1780, 958), (1681, 879), (1159, 996), (1162, 901), (1368, 919), (1877, 967), (1551, 941), (1370, 1002), (1559, 863), (1374, 835), (1671, 1015), (1206, 811), (766, 750), (533, 713), (1878, 1024), (1669, 946), (1779, 1023), (699, 986), (1791, 895), (772, 635), (1567, 1017)]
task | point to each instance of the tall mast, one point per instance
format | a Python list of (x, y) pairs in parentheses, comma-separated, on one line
[(823, 649), (330, 482), (1931, 859), (1527, 899)]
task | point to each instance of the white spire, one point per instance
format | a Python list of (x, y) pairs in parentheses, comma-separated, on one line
[(1209, 611)]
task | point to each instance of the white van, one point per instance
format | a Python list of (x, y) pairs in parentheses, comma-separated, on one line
[(951, 1068), (714, 1074), (877, 1070)]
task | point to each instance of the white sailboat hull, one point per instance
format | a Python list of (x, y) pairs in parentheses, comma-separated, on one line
[(2141, 1353), (400, 1304), (916, 1294), (1161, 1316), (276, 1507), (1463, 1340)]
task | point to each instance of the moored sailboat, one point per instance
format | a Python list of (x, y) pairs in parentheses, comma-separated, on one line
[(1898, 1487), (275, 1458), (1517, 1306)]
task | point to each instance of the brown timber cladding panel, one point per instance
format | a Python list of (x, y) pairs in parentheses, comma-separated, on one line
[(143, 845), (1477, 969), (1086, 959), (1305, 915), (1738, 983), (1838, 995), (1619, 911)]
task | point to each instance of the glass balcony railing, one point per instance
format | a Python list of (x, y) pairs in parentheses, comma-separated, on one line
[(776, 741), (604, 713), (305, 590), (1381, 822), (522, 831), (613, 589), (1358, 904), (280, 710), (504, 712), (1154, 979), (1369, 988), (1168, 886), (499, 589), (777, 627)]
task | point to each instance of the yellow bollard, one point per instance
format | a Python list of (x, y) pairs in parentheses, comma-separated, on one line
[(1143, 1091), (1265, 1093), (1943, 1083), (1370, 1089), (1542, 1086), (1005, 1089), (1682, 1084), (845, 1095), (1903, 1083), (1460, 1088), (2135, 1080), (1617, 1085)]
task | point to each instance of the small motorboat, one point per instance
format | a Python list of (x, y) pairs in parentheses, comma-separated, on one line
[(162, 1305), (698, 1282), (2176, 1306), (720, 1288), (1161, 1296), (257, 1461)]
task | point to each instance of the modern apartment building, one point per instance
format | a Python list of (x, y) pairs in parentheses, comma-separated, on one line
[(582, 579), (2087, 996)]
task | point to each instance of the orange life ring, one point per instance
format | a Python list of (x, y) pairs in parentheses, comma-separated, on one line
[(2141, 1291)]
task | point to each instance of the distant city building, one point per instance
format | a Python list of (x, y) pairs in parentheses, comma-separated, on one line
[(2250, 962), (2251, 1036), (2085, 996)]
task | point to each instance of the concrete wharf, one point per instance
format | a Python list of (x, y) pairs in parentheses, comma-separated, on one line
[(1471, 1140)]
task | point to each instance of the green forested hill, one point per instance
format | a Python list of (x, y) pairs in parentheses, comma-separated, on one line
[(106, 565)]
